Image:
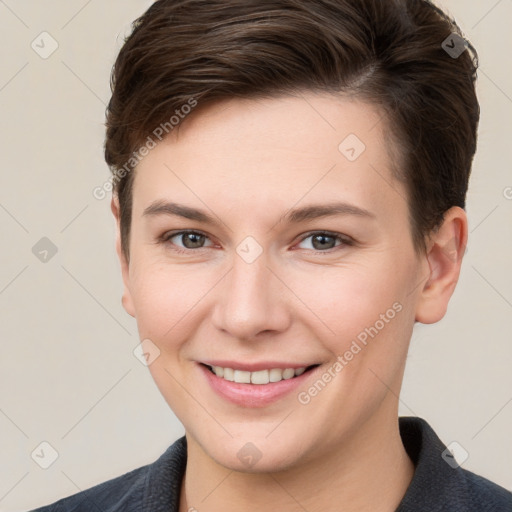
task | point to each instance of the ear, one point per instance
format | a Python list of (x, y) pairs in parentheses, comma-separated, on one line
[(445, 250), (125, 265)]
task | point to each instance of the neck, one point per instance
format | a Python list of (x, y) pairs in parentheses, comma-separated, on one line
[(370, 471)]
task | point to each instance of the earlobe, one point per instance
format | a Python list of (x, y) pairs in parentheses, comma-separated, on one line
[(444, 257), (126, 298)]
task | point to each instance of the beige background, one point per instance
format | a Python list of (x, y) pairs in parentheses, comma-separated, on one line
[(67, 372)]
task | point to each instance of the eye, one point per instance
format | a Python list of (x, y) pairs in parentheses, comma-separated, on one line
[(190, 240), (321, 241)]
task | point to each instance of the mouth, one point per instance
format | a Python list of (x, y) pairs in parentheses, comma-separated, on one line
[(256, 384), (259, 377)]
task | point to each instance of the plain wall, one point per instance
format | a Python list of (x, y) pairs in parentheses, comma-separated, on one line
[(67, 372)]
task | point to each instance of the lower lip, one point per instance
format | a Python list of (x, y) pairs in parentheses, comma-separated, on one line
[(254, 395)]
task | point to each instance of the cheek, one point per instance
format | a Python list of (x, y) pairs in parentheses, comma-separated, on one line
[(346, 300), (155, 301), (169, 302), (370, 319)]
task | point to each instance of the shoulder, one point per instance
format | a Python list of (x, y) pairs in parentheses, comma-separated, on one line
[(439, 483), (486, 496), (134, 491)]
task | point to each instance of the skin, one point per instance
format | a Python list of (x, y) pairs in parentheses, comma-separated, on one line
[(247, 163)]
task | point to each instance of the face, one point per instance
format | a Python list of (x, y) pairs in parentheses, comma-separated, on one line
[(264, 239)]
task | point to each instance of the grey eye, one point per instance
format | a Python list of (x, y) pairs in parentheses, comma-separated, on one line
[(189, 239), (322, 241)]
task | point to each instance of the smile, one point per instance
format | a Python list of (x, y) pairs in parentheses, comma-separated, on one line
[(257, 377), (255, 384)]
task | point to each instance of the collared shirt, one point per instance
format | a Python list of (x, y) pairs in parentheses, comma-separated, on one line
[(439, 484)]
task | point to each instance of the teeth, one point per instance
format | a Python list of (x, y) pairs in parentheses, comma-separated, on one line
[(288, 373), (259, 377), (229, 374), (242, 377), (276, 375)]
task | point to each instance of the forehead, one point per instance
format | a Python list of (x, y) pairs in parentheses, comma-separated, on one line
[(286, 149)]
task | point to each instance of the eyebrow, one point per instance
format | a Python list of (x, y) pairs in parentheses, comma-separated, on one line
[(293, 216)]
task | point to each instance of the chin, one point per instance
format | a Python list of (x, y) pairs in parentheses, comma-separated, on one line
[(256, 453), (270, 462)]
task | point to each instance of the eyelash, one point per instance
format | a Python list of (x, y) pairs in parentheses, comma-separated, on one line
[(344, 239)]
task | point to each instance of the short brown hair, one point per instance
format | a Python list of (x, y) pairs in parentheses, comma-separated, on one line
[(389, 52)]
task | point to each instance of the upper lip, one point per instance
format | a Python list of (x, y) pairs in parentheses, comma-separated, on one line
[(254, 367)]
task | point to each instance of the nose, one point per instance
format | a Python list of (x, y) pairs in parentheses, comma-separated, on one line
[(252, 301)]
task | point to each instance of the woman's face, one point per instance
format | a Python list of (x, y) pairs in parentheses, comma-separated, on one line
[(271, 235)]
